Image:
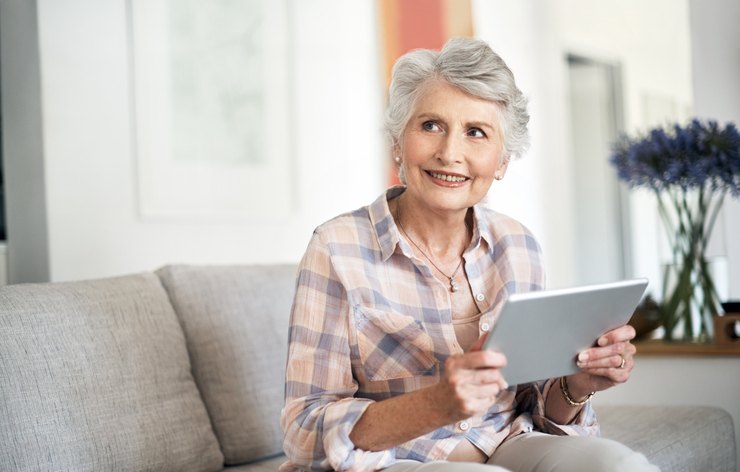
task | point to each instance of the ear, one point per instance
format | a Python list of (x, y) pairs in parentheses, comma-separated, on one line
[(396, 150), (501, 171)]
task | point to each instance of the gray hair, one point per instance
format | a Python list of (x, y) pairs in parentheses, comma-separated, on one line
[(470, 65)]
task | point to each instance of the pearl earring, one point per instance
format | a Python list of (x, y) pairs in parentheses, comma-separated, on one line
[(397, 159)]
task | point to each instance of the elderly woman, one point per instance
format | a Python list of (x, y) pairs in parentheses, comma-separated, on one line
[(393, 300)]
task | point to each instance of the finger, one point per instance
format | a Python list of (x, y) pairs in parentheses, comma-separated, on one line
[(482, 391), (617, 361), (613, 375), (481, 360), (479, 406), (595, 354), (488, 377), (466, 379), (618, 335), (478, 344), (475, 399), (613, 366), (460, 375)]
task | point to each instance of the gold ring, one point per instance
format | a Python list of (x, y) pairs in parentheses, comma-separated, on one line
[(621, 366)]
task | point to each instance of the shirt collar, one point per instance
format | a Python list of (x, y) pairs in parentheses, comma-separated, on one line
[(481, 229), (386, 230), (388, 235)]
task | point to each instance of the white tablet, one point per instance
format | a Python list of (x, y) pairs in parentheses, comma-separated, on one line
[(541, 333)]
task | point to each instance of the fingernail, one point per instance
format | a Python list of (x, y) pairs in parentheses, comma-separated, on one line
[(582, 357), (602, 341)]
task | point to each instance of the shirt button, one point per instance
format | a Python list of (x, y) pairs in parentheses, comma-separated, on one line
[(485, 327), (464, 426), (480, 297)]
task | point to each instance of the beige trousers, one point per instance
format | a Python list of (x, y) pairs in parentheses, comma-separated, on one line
[(538, 452)]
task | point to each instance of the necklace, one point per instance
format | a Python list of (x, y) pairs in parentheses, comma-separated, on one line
[(454, 287)]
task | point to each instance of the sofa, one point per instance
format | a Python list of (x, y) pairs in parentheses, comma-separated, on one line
[(182, 369)]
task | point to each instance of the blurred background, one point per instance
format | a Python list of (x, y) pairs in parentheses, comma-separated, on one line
[(137, 133)]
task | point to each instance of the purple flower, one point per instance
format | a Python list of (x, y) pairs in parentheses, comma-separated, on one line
[(699, 155)]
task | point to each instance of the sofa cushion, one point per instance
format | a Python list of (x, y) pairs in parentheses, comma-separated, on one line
[(675, 438), (267, 465), (235, 320), (95, 376)]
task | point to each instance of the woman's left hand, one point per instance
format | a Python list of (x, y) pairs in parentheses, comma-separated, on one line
[(607, 364)]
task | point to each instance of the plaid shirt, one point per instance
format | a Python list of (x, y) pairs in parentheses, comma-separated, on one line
[(370, 321)]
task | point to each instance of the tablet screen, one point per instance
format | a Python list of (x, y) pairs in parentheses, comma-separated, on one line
[(541, 333)]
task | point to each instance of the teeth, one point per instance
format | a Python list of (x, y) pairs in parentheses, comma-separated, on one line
[(448, 178)]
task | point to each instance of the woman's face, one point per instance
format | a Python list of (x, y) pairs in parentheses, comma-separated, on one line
[(451, 148)]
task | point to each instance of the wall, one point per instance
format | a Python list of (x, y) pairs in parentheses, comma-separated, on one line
[(510, 29), (94, 228), (534, 37), (715, 71), (656, 86), (73, 212)]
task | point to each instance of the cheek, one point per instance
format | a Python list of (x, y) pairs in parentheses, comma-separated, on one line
[(487, 165), (416, 148)]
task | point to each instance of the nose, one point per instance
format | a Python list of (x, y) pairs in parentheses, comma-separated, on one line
[(451, 149)]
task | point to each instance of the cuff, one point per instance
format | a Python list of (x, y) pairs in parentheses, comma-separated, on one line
[(340, 418), (584, 423)]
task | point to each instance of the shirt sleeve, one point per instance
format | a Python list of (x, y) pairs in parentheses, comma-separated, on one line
[(531, 398), (320, 409)]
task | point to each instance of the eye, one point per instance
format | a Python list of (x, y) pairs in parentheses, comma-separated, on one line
[(476, 133), (430, 126)]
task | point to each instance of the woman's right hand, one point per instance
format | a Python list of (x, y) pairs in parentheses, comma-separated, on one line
[(472, 381), (469, 387)]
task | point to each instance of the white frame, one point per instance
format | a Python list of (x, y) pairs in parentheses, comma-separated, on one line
[(201, 185)]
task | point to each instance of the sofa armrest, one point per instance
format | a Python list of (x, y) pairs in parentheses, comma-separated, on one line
[(676, 438)]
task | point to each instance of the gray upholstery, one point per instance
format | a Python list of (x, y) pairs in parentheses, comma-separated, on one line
[(95, 376), (236, 325), (103, 375), (676, 438), (267, 465)]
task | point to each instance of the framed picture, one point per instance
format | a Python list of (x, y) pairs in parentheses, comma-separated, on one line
[(211, 108)]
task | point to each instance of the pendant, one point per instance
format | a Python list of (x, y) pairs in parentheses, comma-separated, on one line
[(453, 285)]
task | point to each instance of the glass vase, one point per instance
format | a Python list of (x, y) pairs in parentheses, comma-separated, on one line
[(690, 301), (690, 297)]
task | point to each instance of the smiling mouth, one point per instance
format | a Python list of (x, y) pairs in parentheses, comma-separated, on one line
[(447, 177)]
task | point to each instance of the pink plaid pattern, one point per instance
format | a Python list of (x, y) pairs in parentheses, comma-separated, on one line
[(370, 321)]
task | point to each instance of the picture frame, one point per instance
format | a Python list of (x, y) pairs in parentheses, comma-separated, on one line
[(211, 107)]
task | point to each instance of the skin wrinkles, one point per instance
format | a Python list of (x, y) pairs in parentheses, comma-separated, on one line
[(452, 133)]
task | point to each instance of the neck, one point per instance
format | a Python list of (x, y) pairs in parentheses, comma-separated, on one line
[(444, 234)]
